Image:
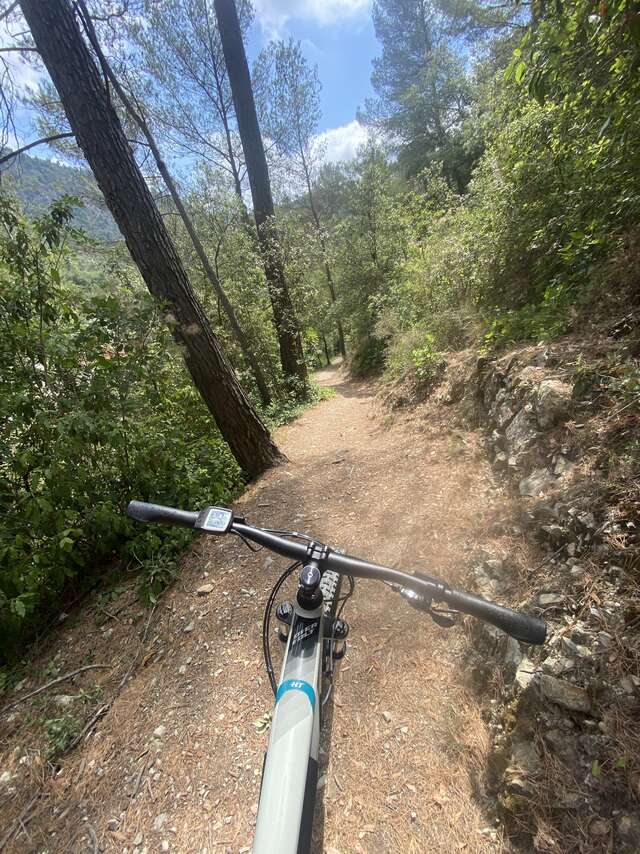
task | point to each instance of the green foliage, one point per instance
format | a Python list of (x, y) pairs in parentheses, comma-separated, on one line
[(414, 353), (287, 409), (423, 90), (95, 409), (543, 241), (60, 733), (37, 183)]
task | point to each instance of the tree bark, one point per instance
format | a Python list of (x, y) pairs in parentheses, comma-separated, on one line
[(326, 348), (287, 330), (101, 137)]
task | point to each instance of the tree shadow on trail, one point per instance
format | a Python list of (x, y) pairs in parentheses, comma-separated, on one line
[(317, 835)]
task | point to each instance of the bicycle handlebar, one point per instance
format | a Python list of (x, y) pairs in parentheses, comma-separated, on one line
[(522, 627), (143, 512)]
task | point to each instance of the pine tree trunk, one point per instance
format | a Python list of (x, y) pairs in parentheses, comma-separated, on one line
[(99, 134), (326, 349), (289, 341)]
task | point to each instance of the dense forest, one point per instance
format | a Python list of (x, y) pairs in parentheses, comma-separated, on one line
[(496, 201), (36, 183)]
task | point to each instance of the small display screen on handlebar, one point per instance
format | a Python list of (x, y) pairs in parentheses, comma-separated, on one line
[(215, 520)]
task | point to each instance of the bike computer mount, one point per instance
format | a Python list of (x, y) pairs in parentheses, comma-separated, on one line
[(214, 520)]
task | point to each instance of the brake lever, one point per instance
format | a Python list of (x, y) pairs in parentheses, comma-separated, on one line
[(422, 603)]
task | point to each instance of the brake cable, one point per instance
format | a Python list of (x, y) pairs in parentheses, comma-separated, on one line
[(266, 623)]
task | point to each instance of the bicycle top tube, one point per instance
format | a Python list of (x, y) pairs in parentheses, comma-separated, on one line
[(521, 626)]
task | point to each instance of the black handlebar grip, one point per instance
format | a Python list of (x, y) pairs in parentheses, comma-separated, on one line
[(520, 626), (143, 512)]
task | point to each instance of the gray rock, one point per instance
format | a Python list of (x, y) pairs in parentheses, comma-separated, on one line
[(604, 640), (159, 731), (160, 821), (205, 589), (577, 650), (189, 627), (564, 694), (549, 600), (491, 641), (553, 403), (554, 532), (63, 700), (513, 654), (539, 481), (525, 758), (521, 432), (523, 768), (556, 664), (562, 466), (138, 838), (588, 520), (504, 415), (563, 745), (525, 673), (582, 634), (627, 827), (488, 587)]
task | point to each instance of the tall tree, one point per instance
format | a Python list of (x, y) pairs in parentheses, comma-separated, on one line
[(99, 133), (291, 115), (136, 113), (289, 341), (181, 55), (423, 90)]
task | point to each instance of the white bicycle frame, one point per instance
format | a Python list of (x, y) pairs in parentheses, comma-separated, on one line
[(289, 778)]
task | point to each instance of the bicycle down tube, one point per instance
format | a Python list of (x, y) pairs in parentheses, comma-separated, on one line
[(287, 794)]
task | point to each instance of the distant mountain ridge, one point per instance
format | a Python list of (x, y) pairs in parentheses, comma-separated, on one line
[(37, 183)]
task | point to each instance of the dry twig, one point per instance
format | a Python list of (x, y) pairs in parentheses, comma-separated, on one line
[(102, 711), (56, 682), (19, 822)]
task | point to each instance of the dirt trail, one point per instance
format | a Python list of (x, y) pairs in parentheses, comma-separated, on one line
[(175, 764)]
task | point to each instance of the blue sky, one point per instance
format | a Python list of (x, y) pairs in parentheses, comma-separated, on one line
[(336, 35)]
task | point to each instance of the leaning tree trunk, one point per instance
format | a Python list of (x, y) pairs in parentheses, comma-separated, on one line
[(99, 134), (140, 119), (291, 355)]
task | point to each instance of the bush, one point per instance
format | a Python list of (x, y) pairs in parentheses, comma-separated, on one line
[(413, 353), (96, 408)]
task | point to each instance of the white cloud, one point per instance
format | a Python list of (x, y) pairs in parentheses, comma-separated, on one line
[(273, 15), (341, 143)]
